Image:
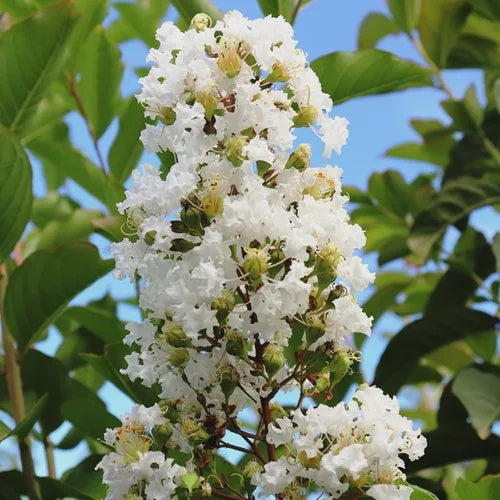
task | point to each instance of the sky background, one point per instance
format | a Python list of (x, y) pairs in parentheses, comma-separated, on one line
[(376, 124)]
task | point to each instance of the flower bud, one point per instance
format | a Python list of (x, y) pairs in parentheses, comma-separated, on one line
[(168, 116), (229, 60), (178, 357), (273, 358), (305, 116), (234, 149), (315, 329), (339, 367), (194, 431), (190, 481), (149, 237), (174, 335), (326, 265), (236, 343), (229, 379), (223, 305), (256, 262), (162, 433), (280, 73), (201, 21), (251, 468), (212, 203), (301, 158)]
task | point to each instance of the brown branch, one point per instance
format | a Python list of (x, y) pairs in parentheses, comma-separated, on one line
[(16, 397), (49, 456)]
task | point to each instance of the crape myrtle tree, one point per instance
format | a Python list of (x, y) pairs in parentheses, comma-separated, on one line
[(244, 257)]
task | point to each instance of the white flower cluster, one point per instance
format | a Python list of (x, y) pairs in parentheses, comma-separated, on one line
[(132, 470), (240, 246), (355, 444)]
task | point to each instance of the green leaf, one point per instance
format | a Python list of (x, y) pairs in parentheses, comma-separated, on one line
[(111, 227), (93, 421), (421, 494), (52, 206), (85, 478), (457, 199), (423, 336), (30, 53), (391, 191), (405, 12), (439, 27), (467, 114), (418, 151), (99, 86), (345, 75), (127, 148), (187, 10), (15, 191), (487, 488), (285, 8), (474, 51), (487, 8), (23, 428), (138, 20), (76, 226), (41, 287), (479, 392), (374, 27), (44, 374)]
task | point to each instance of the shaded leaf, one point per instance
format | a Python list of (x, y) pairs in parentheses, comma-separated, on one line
[(101, 71), (127, 148), (391, 191), (89, 417), (15, 191), (487, 8), (467, 114), (44, 284), (479, 392), (457, 199), (439, 27), (23, 428), (30, 53), (85, 478), (345, 75), (423, 336)]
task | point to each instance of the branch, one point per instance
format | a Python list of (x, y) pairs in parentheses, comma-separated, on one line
[(16, 398), (49, 456)]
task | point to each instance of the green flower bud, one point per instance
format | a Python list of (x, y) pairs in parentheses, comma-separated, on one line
[(315, 329), (256, 263), (162, 433), (174, 335), (212, 203), (190, 216), (305, 116), (149, 237), (178, 357), (234, 149), (236, 343), (301, 158), (277, 411), (251, 468), (273, 358), (194, 431), (168, 116), (229, 60), (229, 379), (201, 21), (190, 481), (280, 73), (223, 305), (209, 101), (339, 367), (326, 264)]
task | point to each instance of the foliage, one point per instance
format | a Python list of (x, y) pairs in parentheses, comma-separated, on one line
[(57, 59)]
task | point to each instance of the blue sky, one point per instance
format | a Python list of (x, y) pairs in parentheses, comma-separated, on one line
[(376, 123)]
